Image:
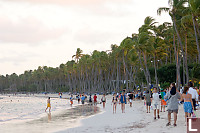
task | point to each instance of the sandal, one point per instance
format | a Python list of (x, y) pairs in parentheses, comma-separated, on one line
[(168, 124), (175, 125)]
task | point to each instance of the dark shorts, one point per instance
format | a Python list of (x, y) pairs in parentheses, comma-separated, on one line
[(82, 102), (148, 103), (173, 111)]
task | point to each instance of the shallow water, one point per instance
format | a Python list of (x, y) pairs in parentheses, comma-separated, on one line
[(28, 116)]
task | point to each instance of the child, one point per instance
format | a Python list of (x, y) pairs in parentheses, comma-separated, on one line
[(71, 100), (48, 105), (156, 103)]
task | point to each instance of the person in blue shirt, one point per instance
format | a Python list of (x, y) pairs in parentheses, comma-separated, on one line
[(83, 99), (123, 101)]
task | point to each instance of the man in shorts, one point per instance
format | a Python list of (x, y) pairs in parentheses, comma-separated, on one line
[(148, 101), (156, 102)]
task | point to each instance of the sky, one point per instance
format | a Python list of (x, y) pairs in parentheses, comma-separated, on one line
[(47, 32)]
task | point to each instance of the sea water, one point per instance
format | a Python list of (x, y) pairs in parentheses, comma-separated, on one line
[(27, 114)]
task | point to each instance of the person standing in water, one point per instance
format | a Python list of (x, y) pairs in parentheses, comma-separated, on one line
[(48, 105), (156, 103), (71, 100), (114, 102), (103, 100), (123, 101)]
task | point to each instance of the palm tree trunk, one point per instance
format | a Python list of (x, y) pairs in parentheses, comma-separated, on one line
[(156, 77), (197, 41), (186, 64)]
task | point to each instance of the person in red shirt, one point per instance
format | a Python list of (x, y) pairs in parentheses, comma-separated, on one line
[(95, 99)]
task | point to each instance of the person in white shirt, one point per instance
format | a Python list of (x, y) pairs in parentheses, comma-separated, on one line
[(156, 102), (194, 94)]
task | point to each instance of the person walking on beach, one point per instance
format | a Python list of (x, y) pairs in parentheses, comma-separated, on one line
[(71, 100), (194, 94), (163, 102), (130, 98), (188, 103), (114, 102), (148, 101), (173, 96), (78, 98), (103, 100), (48, 105), (90, 100), (156, 102), (123, 101), (95, 99), (83, 99)]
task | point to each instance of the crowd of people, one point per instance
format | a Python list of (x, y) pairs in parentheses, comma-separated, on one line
[(156, 100)]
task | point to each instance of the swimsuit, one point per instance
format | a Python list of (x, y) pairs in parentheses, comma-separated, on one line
[(187, 106), (123, 99), (48, 105)]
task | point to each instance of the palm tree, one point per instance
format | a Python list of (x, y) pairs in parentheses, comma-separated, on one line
[(78, 55)]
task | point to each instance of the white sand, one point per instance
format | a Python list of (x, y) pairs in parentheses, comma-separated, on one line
[(28, 115), (134, 120)]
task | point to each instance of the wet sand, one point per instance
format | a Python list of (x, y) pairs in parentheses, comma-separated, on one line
[(49, 122)]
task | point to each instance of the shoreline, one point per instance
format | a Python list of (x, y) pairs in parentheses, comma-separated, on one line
[(134, 119), (59, 119)]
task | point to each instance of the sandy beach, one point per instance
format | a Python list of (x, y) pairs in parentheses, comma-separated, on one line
[(26, 114), (135, 120)]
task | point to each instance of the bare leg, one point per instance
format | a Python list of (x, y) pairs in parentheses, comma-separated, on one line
[(154, 113), (122, 107), (49, 109), (147, 109), (161, 108), (175, 117), (169, 117), (46, 109), (158, 113), (115, 107), (186, 115)]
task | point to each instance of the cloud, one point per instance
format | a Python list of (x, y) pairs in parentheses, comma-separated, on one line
[(26, 30), (67, 2), (91, 36)]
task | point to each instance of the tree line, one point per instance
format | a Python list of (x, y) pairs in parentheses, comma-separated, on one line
[(155, 56)]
